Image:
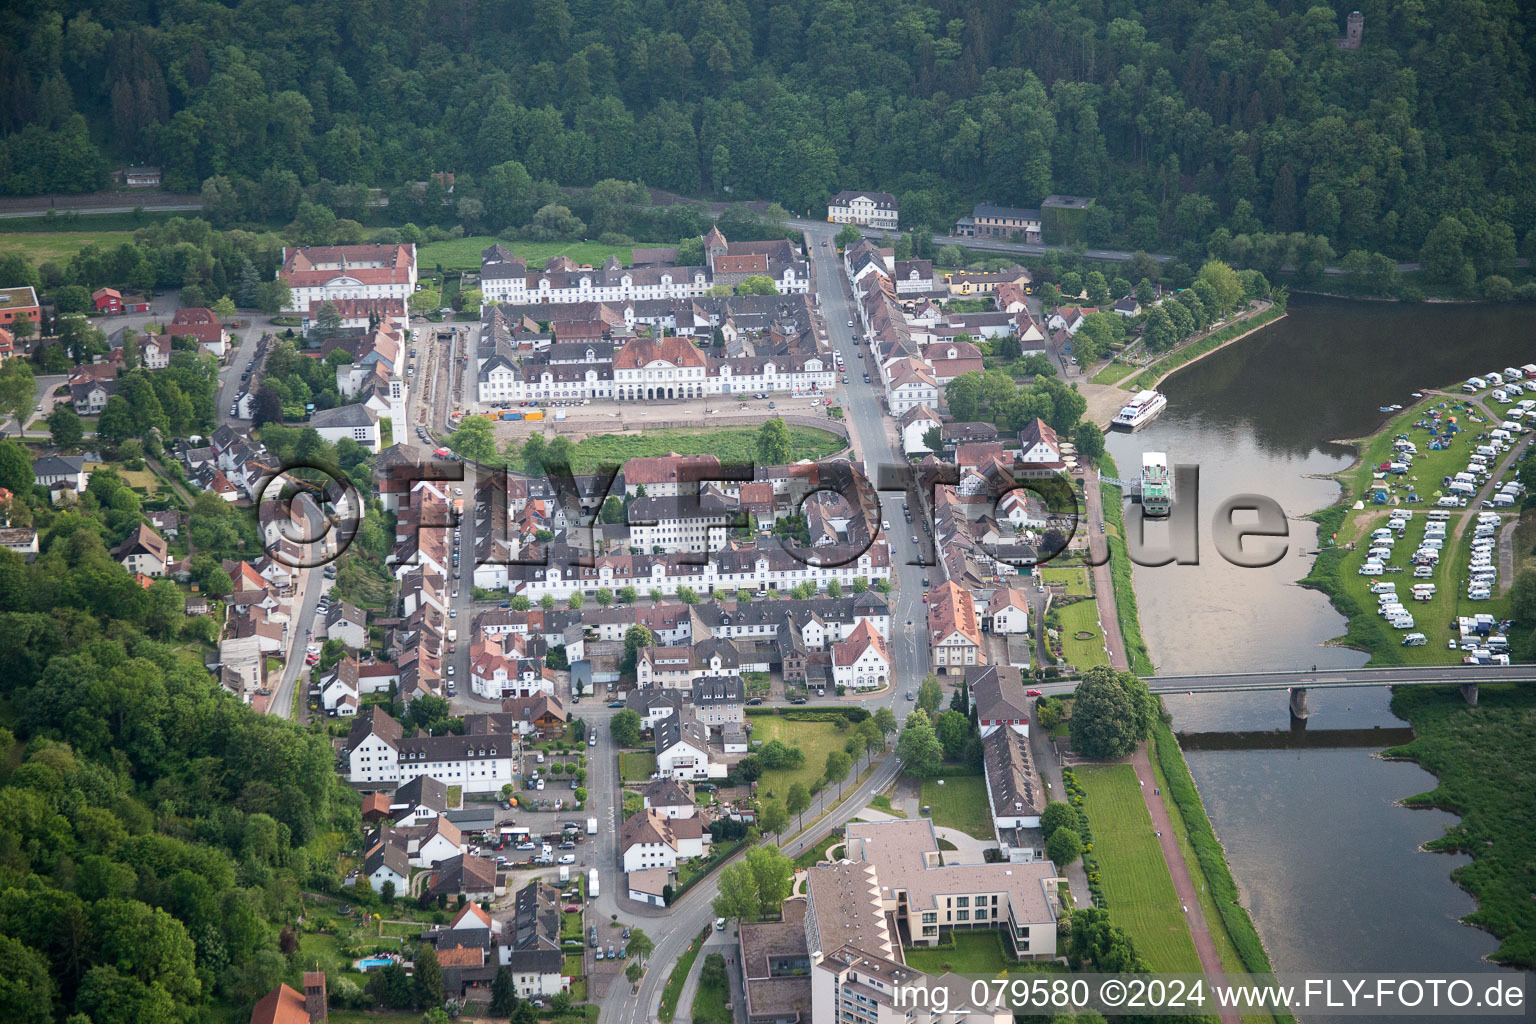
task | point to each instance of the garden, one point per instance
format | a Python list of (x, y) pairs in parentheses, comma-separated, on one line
[(960, 801)]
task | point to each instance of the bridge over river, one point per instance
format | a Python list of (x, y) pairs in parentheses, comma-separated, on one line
[(1298, 682)]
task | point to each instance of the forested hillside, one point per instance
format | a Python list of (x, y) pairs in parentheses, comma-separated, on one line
[(1182, 117), (155, 833)]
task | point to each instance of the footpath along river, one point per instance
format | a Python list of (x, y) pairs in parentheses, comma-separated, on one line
[(1329, 866)]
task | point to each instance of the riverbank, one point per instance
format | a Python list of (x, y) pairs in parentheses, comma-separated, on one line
[(1486, 767), (1138, 658), (1151, 376), (1365, 500)]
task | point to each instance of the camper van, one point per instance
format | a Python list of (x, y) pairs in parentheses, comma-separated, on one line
[(1371, 569)]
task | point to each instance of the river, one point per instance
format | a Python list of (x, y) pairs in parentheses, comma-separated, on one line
[(1322, 853)]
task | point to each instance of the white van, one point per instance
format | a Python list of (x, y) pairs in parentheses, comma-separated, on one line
[(1487, 449), (1499, 395), (1510, 373), (1383, 587), (1437, 517), (1382, 533), (1415, 640), (1471, 388), (1448, 502), (1479, 594), (1432, 544), (1391, 611), (1403, 621), (1423, 572), (1371, 569)]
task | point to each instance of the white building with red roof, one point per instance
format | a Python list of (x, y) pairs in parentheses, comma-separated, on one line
[(343, 272), (863, 661)]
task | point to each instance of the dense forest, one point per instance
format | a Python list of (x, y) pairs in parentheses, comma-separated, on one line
[(1183, 118), (155, 834)]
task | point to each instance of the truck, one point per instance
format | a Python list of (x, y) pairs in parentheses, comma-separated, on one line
[(565, 872), (591, 826), (453, 636), (592, 883)]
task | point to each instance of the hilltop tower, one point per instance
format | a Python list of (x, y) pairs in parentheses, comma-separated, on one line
[(1354, 31)]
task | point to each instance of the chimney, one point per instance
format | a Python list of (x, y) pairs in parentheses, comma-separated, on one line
[(314, 995)]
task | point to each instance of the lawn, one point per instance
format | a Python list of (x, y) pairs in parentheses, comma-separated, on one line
[(818, 853), (1082, 616), (734, 447), (1134, 877), (572, 965), (58, 246), (816, 739), (1113, 373), (674, 986), (712, 1002), (636, 765), (960, 803), (974, 952), (570, 925), (883, 803), (464, 253), (1076, 580)]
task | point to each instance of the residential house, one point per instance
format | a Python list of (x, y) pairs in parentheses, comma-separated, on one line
[(107, 300), (60, 472), (418, 801), (718, 701), (143, 551), (682, 749), (378, 752), (89, 395), (653, 704), (862, 661), (670, 798), (1127, 307), (388, 863), (465, 874), (201, 324), (910, 383), (1007, 612), (1014, 795), (997, 698), (20, 539), (648, 840), (347, 623)]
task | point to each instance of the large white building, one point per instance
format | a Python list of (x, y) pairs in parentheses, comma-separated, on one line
[(356, 422), (649, 839), (871, 209), (379, 754), (334, 273)]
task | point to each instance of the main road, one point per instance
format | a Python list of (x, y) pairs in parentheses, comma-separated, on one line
[(692, 913)]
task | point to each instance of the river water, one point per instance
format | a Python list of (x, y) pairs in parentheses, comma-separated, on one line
[(1323, 855)]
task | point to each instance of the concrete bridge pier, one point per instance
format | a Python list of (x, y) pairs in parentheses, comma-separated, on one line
[(1469, 693), (1298, 703)]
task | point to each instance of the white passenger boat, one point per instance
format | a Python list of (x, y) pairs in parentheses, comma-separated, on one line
[(1142, 409)]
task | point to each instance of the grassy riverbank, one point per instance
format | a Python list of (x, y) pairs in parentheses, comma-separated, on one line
[(1486, 766), (1237, 940), (1120, 573), (1336, 570), (1189, 353)]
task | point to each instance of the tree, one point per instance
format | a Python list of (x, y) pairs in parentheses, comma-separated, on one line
[(933, 439), (885, 720), (328, 317), (1444, 256), (474, 440), (756, 284), (1089, 440), (1064, 846), (773, 876), (1523, 593), (738, 894), (920, 751), (624, 727), (26, 991), (18, 389), (797, 800), (848, 236), (870, 736), (1109, 715), (1058, 814), (633, 972), (929, 694), (953, 729), (774, 817), (640, 944), (838, 765), (773, 443), (65, 426)]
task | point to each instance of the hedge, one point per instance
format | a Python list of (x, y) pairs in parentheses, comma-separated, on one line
[(1212, 858)]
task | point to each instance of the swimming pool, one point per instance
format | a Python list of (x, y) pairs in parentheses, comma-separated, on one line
[(368, 963)]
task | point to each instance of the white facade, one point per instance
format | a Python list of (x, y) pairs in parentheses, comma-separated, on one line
[(872, 209)]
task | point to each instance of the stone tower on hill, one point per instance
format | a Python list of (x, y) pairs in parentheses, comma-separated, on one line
[(1354, 31)]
